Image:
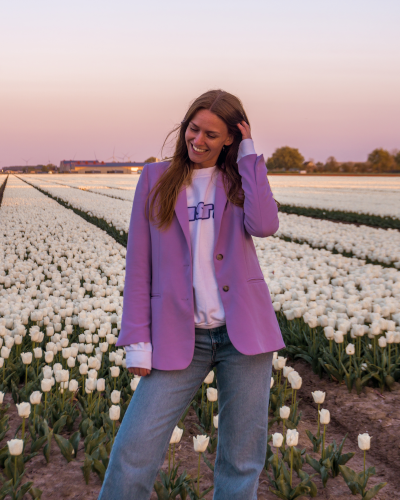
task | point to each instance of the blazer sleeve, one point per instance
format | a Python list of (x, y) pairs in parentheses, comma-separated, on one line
[(260, 209), (136, 312)]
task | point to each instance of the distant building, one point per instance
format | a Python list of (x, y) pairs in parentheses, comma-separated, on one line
[(98, 167)]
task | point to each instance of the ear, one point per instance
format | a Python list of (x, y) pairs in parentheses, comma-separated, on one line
[(229, 141)]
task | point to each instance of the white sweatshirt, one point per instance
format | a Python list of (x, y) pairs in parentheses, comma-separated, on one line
[(208, 309)]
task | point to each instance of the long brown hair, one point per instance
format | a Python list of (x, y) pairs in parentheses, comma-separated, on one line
[(165, 192)]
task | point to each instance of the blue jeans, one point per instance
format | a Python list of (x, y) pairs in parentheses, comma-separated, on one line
[(160, 399)]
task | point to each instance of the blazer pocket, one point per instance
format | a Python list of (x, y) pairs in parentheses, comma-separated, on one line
[(155, 295), (255, 280)]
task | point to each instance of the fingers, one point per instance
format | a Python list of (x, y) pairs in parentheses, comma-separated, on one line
[(141, 372), (244, 129)]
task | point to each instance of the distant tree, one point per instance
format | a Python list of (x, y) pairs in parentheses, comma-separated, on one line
[(381, 160), (152, 159), (397, 159), (331, 164), (285, 158), (45, 168)]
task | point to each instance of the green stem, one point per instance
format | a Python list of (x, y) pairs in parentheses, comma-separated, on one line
[(15, 470), (113, 430), (323, 444), (169, 459), (291, 465), (198, 477), (389, 348), (173, 457), (45, 401), (212, 413), (26, 374), (23, 428), (202, 396), (319, 424), (365, 452)]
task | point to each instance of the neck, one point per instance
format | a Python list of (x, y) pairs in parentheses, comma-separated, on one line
[(206, 164)]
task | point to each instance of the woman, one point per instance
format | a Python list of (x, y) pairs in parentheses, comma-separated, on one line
[(195, 298)]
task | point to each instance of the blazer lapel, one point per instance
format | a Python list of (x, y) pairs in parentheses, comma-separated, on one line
[(182, 215), (219, 206)]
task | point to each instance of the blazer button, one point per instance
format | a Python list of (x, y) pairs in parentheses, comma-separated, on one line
[(225, 288), (220, 256)]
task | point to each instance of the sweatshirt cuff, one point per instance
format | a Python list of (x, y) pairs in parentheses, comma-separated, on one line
[(246, 147), (138, 359)]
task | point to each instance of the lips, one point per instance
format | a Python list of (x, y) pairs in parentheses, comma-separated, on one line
[(198, 152)]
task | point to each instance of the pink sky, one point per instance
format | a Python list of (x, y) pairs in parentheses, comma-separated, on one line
[(82, 78)]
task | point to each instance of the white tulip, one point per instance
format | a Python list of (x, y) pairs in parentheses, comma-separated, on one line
[(287, 370), (83, 369), (292, 437), (73, 385), (38, 352), (1, 397), (338, 336), (350, 349), (24, 409), (382, 342), (5, 352), (115, 397), (35, 398), (46, 385), (364, 441), (101, 385), (271, 384), (26, 358), (200, 443), (279, 363), (277, 440), (212, 394), (71, 362), (324, 417), (319, 397), (134, 383), (114, 371), (47, 371), (49, 356), (210, 378), (284, 412), (215, 420), (15, 447), (176, 435), (114, 412), (295, 380)]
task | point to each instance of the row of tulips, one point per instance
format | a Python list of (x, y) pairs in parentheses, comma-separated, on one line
[(350, 301), (366, 243), (58, 339)]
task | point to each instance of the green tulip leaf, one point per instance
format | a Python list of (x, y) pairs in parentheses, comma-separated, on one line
[(35, 493), (65, 446), (373, 491)]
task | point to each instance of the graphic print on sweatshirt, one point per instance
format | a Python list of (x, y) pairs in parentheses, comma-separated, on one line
[(201, 211)]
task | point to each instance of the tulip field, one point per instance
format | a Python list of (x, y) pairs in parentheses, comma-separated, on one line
[(334, 416)]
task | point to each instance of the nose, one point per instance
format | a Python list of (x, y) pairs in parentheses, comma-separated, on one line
[(198, 139)]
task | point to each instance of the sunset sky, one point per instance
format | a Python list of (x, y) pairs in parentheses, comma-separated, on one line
[(80, 78)]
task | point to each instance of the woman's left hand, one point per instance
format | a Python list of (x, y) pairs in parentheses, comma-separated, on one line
[(245, 130)]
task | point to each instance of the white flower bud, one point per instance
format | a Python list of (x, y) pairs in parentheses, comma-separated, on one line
[(200, 443)]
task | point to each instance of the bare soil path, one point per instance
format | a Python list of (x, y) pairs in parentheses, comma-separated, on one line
[(379, 415)]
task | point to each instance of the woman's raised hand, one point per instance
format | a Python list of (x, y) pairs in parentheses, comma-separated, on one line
[(245, 130), (142, 372)]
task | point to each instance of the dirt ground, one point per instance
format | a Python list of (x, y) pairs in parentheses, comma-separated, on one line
[(371, 412)]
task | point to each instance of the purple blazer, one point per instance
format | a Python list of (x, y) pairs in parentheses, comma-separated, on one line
[(158, 302)]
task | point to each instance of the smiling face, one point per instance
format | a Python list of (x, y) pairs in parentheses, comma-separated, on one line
[(205, 137)]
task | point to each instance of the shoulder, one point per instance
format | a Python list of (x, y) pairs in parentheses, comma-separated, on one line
[(155, 170)]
